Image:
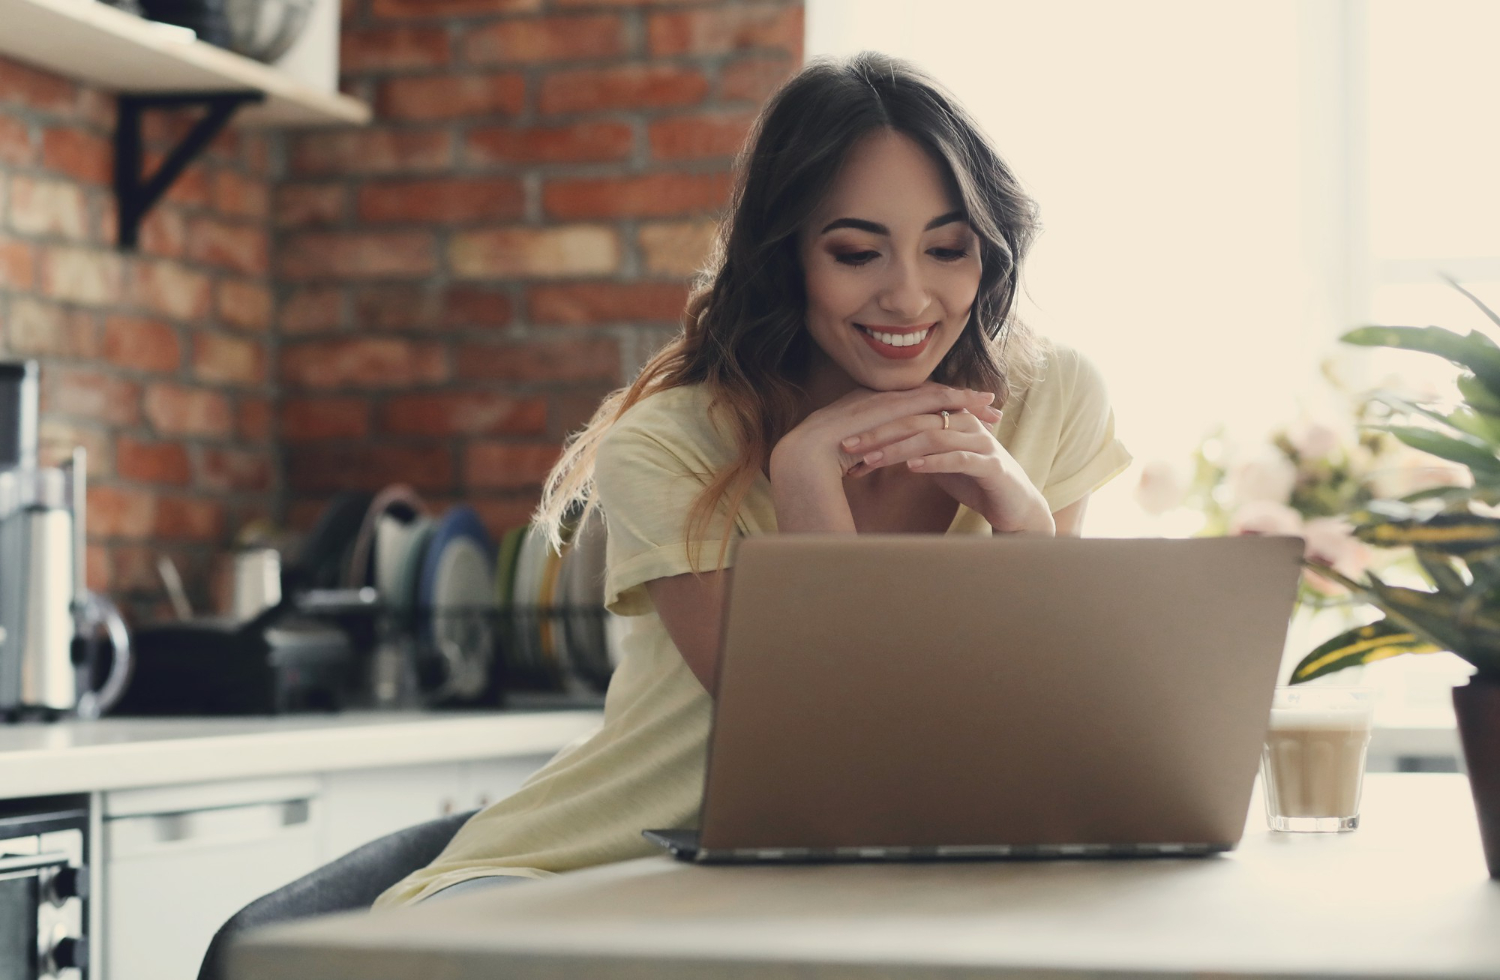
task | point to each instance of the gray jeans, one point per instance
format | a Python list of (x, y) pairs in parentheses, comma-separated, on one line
[(475, 885)]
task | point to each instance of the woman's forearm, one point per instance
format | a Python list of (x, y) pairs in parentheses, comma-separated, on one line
[(810, 508)]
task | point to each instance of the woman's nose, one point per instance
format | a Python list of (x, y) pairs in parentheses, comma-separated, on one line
[(904, 294)]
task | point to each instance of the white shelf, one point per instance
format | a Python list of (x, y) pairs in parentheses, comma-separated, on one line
[(99, 45)]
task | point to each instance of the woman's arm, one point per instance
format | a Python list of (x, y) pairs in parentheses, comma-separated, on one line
[(691, 608), (1069, 520)]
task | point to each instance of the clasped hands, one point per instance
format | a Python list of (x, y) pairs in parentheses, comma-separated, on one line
[(867, 430)]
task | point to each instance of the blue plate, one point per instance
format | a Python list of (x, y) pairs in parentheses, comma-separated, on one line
[(461, 522)]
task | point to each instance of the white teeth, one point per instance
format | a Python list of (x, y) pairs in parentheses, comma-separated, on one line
[(899, 339)]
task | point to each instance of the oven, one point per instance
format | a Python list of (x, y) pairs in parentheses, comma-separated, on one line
[(44, 889)]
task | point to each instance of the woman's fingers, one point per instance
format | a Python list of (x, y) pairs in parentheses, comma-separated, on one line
[(957, 461), (926, 443), (883, 436)]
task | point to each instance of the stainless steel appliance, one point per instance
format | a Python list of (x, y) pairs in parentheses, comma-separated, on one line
[(62, 649), (44, 889)]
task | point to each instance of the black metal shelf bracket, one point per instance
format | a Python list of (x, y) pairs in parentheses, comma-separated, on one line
[(135, 196)]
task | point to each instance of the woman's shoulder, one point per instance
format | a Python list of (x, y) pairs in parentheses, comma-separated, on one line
[(676, 419), (1058, 372)]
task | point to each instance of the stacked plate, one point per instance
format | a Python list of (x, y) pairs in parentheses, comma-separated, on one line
[(559, 635)]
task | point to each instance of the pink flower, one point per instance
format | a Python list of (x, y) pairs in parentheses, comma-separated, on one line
[(1331, 540), (1161, 487), (1314, 440), (1266, 478), (1265, 517)]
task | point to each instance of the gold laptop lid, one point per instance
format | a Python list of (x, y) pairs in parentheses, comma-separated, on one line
[(935, 691)]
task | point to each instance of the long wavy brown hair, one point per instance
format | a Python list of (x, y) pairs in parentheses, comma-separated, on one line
[(743, 333)]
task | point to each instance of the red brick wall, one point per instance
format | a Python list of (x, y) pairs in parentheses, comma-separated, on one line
[(460, 282), (158, 362)]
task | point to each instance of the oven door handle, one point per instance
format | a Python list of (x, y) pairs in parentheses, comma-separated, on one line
[(11, 864)]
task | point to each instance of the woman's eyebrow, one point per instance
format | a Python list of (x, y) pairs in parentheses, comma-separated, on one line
[(874, 228)]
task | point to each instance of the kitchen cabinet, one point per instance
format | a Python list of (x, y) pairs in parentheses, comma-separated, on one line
[(179, 861)]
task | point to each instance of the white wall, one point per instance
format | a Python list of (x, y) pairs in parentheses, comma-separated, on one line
[(1191, 242)]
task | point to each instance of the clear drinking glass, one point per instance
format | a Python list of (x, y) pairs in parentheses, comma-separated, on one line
[(1313, 763)]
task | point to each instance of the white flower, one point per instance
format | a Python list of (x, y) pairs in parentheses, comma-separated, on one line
[(1331, 541), (1265, 517), (1267, 477), (1314, 440), (1161, 487)]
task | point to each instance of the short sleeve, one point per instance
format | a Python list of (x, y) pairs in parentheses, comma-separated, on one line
[(647, 489), (1088, 454)]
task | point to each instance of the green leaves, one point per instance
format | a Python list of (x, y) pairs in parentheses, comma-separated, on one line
[(1461, 448), (1360, 645), (1474, 350)]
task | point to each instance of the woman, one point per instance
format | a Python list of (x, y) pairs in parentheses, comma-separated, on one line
[(842, 370)]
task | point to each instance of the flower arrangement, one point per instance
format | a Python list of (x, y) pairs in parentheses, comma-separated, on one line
[(1304, 480)]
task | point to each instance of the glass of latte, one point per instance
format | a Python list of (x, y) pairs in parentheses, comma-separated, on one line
[(1313, 763)]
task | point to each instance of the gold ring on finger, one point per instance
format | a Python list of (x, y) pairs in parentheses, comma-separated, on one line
[(944, 414)]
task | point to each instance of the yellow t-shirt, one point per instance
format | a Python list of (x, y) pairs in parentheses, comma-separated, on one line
[(644, 768)]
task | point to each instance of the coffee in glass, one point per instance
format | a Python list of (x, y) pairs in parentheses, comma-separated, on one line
[(1313, 762)]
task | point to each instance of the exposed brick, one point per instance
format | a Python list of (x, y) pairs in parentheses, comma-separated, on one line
[(753, 79), (313, 310), (577, 250), (17, 263), (450, 8), (57, 438), (724, 29), (79, 154), (163, 233), (16, 145), (48, 207), (120, 512), (569, 409), (452, 96), (230, 470), (253, 422), (176, 410), (366, 362), (580, 359), (500, 514), (677, 248), (171, 289), (188, 519), (507, 466), (345, 467), (80, 275), (99, 570), (606, 302), (152, 462), (91, 395), (334, 417), (443, 201), (191, 186), (240, 196), (452, 413), (38, 90), (541, 39), (427, 307), (378, 151), (387, 48), (579, 143), (142, 344), (355, 255), (244, 304), (650, 196), (628, 4), (37, 328), (236, 247), (629, 87), (221, 359), (304, 205), (699, 137)]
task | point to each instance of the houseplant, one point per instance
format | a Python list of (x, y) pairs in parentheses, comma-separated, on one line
[(1454, 533)]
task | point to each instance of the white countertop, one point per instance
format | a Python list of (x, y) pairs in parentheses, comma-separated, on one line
[(39, 759), (1406, 895)]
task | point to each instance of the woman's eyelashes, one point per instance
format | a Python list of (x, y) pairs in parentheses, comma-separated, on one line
[(954, 254)]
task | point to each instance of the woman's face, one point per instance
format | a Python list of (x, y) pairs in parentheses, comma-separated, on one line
[(892, 267)]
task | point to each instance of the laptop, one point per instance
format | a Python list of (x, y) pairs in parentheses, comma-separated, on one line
[(912, 697)]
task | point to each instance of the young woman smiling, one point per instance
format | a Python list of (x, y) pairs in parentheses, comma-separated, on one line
[(841, 369)]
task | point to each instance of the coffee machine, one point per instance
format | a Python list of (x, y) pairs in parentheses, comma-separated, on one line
[(54, 634)]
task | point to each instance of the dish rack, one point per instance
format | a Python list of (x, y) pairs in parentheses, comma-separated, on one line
[(526, 656)]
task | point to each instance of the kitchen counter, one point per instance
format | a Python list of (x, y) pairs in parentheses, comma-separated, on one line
[(1406, 895), (40, 759)]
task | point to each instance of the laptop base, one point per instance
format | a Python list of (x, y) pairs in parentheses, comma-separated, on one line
[(683, 845)]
